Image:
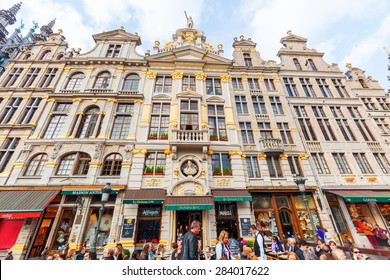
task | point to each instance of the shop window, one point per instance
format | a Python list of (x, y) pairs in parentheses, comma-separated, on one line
[(11, 229), (303, 217), (226, 218), (385, 211), (104, 229), (338, 217), (149, 223), (282, 201), (264, 215), (62, 233)]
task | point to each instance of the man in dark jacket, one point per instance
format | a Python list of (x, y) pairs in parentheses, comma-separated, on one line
[(190, 243), (303, 247)]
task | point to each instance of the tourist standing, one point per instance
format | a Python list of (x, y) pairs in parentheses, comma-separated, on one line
[(190, 250)]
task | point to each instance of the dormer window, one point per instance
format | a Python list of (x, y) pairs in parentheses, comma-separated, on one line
[(312, 65), (297, 65), (363, 83), (113, 50), (247, 59), (46, 55)]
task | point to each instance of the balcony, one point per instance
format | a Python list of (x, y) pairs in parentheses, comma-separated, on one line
[(271, 145), (255, 91), (262, 117), (191, 136), (375, 147)]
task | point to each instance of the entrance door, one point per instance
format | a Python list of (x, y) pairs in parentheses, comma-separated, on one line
[(41, 238), (184, 220), (286, 223)]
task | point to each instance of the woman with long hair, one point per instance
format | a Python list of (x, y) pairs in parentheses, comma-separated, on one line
[(222, 250), (145, 253)]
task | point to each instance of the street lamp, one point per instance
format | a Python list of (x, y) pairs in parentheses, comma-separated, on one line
[(106, 191), (300, 181)]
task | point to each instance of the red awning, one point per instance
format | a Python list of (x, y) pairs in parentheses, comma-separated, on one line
[(144, 196)]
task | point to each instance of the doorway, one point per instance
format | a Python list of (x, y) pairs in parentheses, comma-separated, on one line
[(184, 220), (286, 223)]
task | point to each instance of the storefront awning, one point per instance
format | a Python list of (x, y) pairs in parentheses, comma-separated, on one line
[(144, 196), (232, 195), (363, 195), (24, 204), (189, 203), (88, 190)]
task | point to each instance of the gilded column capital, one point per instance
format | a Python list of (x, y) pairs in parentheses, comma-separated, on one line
[(89, 69), (244, 78), (112, 100), (77, 99), (200, 76), (276, 79), (51, 100), (151, 75), (139, 151), (167, 151), (67, 69), (283, 156), (177, 75), (79, 114), (226, 78), (261, 156), (8, 68), (26, 68), (120, 69), (138, 101), (210, 152), (235, 153), (101, 114), (261, 78), (303, 156), (144, 71)]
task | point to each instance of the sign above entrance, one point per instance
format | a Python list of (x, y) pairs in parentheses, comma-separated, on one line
[(189, 203), (363, 196), (20, 215), (232, 195), (86, 192)]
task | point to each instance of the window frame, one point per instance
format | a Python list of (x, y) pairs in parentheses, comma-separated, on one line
[(73, 168), (36, 171), (114, 165)]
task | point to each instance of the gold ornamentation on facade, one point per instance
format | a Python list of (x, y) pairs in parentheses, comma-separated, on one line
[(79, 114), (200, 76), (261, 156), (350, 180), (261, 79), (276, 79), (77, 100), (179, 190), (173, 123), (249, 147), (151, 75), (244, 78), (177, 75), (223, 182), (51, 164), (303, 156), (348, 65), (120, 69), (153, 182), (19, 164), (209, 46), (189, 36), (26, 97), (168, 45), (139, 151), (18, 248), (210, 152), (144, 71), (8, 68), (202, 173), (66, 69), (90, 69), (372, 180), (289, 33), (220, 47), (51, 100), (199, 190), (95, 164), (204, 125), (167, 151), (235, 153), (237, 49), (283, 156), (294, 129), (94, 101), (156, 43), (26, 68), (253, 49), (226, 78), (176, 172), (127, 164)]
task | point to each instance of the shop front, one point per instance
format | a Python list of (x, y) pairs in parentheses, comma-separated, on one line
[(284, 215)]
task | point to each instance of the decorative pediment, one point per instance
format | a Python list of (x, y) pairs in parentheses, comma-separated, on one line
[(189, 94), (162, 96), (215, 99), (242, 42), (293, 38), (119, 35)]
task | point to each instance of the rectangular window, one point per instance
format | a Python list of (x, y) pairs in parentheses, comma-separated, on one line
[(323, 123), (155, 164), (247, 59), (48, 77), (241, 105), (113, 50), (246, 133), (163, 84), (383, 103), (320, 163), (149, 223), (12, 77), (295, 165), (189, 83), (259, 104), (276, 105), (217, 125), (252, 166), (7, 150), (253, 85), (290, 87), (189, 118), (307, 87), (383, 162), (31, 108), (269, 84), (57, 120), (370, 105), (285, 133), (213, 86), (159, 123), (343, 124), (341, 163), (30, 77), (361, 124), (121, 127), (10, 109), (273, 163), (363, 163), (237, 84), (221, 164), (265, 130), (304, 122), (383, 126), (324, 88), (340, 88)]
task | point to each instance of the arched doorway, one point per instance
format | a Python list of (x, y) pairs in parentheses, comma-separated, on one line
[(286, 223)]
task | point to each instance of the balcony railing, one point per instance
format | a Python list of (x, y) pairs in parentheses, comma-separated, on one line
[(314, 146), (271, 145), (255, 91), (99, 90), (375, 146), (190, 136), (262, 117), (126, 92)]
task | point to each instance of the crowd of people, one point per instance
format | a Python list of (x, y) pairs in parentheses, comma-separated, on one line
[(188, 247)]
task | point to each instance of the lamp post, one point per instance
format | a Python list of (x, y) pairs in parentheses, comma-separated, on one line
[(106, 191), (300, 181)]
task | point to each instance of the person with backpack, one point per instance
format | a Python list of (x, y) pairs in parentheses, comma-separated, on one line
[(258, 244)]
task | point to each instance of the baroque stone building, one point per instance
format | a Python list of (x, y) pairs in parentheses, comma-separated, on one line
[(183, 133)]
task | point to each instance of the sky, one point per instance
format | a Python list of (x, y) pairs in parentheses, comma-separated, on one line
[(347, 31)]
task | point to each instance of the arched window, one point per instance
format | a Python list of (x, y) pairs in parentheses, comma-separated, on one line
[(27, 56), (112, 165), (75, 80), (131, 83), (363, 83), (89, 123), (46, 55), (247, 59), (36, 165), (60, 56), (74, 164), (312, 65), (102, 80), (297, 65)]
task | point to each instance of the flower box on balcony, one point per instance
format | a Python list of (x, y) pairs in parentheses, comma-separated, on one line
[(217, 171), (227, 172), (223, 138), (152, 136), (213, 137), (149, 171), (164, 136)]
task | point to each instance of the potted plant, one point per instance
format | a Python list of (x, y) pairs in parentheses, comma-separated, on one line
[(217, 171), (149, 170), (223, 138), (227, 171), (164, 136), (159, 170), (213, 137), (152, 136)]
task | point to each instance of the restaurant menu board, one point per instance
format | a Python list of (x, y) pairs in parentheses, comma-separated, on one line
[(245, 226), (128, 228)]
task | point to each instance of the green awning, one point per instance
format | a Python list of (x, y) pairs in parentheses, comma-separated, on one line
[(363, 195), (232, 195), (189, 203), (25, 201), (144, 196)]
